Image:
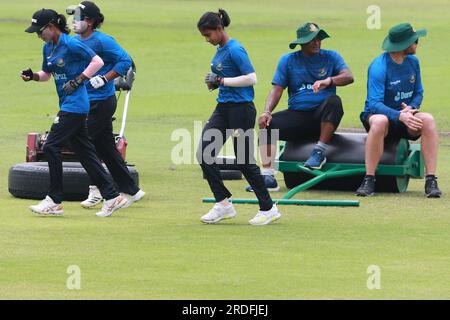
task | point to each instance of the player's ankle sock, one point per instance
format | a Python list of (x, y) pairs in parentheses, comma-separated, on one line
[(268, 171), (321, 146)]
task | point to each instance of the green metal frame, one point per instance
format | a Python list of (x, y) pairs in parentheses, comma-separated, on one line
[(410, 167)]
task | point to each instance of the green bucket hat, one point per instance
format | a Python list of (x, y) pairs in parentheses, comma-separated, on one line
[(401, 37), (307, 33)]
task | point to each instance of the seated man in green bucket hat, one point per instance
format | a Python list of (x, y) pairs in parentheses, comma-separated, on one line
[(394, 95), (311, 75)]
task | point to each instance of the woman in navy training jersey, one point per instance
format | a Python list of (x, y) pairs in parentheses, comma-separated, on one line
[(102, 98), (234, 76), (66, 58)]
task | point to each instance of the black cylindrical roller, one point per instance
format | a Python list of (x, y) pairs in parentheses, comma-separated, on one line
[(346, 148)]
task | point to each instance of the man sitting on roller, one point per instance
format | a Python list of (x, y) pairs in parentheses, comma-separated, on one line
[(311, 76), (394, 95)]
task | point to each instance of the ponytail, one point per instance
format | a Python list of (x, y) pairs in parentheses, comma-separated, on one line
[(213, 20), (61, 24), (98, 21), (224, 17)]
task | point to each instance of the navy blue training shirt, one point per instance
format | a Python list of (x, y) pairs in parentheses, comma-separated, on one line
[(114, 57), (65, 61), (298, 73), (231, 61), (389, 84)]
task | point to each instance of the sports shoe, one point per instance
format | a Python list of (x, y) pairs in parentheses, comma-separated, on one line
[(266, 217), (431, 188), (93, 199), (367, 187), (270, 182), (48, 207), (132, 199), (316, 160), (218, 213), (109, 206)]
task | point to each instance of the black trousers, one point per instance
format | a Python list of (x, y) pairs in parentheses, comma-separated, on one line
[(237, 120), (295, 124), (100, 129), (71, 128)]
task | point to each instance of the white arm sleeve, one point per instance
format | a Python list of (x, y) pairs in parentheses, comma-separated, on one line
[(95, 65), (241, 81)]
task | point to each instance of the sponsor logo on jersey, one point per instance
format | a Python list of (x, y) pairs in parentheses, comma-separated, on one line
[(60, 62), (322, 72), (403, 95), (59, 76)]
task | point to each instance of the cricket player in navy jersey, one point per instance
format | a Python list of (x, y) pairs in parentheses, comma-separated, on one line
[(102, 99), (66, 59), (311, 76), (234, 76), (394, 96)]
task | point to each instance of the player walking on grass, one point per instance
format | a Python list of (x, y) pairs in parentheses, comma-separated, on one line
[(102, 98), (394, 96), (66, 58), (234, 75)]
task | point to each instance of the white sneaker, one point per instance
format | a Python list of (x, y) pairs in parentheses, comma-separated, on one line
[(266, 217), (109, 206), (48, 207), (218, 213), (132, 199), (93, 199)]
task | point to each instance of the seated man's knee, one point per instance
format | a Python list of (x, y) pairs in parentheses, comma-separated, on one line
[(427, 118), (334, 105), (379, 123)]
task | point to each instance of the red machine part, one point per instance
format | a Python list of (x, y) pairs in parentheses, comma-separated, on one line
[(32, 147), (35, 152), (121, 145)]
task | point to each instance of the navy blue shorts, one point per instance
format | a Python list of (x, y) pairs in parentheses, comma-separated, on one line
[(396, 129)]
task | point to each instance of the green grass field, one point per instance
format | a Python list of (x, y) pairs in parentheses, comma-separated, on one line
[(158, 249)]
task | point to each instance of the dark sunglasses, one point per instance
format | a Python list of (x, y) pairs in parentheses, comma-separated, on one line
[(39, 32)]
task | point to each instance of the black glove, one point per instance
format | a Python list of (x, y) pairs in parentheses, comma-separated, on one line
[(213, 79), (70, 86), (28, 73)]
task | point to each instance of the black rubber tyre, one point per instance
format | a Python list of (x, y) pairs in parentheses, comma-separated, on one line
[(231, 174), (31, 180)]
